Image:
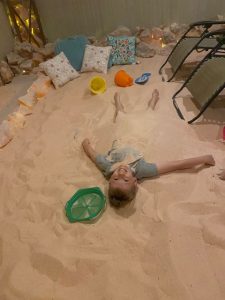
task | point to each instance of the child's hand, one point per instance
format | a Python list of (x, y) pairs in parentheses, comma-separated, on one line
[(85, 143)]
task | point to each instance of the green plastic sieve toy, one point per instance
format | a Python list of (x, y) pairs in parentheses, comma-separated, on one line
[(85, 205)]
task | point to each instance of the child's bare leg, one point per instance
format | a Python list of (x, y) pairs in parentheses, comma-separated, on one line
[(118, 106), (185, 164), (155, 97)]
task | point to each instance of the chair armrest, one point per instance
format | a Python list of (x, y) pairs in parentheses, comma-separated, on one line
[(206, 24), (219, 35), (214, 32)]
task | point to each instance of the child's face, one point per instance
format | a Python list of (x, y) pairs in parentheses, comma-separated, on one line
[(123, 179)]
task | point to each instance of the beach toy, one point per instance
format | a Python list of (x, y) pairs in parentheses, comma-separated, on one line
[(123, 79), (85, 205), (143, 78), (97, 85)]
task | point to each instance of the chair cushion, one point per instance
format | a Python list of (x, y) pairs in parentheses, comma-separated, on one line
[(59, 70), (123, 49), (96, 59), (73, 48)]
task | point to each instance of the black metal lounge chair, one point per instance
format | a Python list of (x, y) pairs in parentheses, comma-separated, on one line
[(205, 82), (187, 44)]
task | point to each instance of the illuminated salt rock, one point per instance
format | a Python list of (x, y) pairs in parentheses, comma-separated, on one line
[(175, 28), (102, 42), (24, 110), (137, 40), (138, 30), (5, 72), (168, 37), (145, 50), (36, 70), (47, 51), (121, 30), (145, 35), (92, 39), (7, 132), (27, 65), (24, 49), (157, 33), (37, 58), (27, 100), (17, 120), (165, 50), (16, 69), (40, 87), (14, 58)]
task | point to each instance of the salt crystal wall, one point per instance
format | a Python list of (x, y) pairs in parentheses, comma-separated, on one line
[(62, 18), (96, 17)]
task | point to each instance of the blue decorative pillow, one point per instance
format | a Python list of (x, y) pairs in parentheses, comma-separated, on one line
[(73, 48), (123, 50)]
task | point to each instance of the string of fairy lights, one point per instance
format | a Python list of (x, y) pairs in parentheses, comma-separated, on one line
[(24, 21)]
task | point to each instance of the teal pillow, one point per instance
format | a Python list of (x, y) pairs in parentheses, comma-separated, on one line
[(73, 48), (123, 50)]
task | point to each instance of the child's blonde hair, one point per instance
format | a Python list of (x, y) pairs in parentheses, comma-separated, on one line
[(118, 196)]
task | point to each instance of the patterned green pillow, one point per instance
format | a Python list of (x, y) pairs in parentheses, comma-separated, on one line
[(123, 50)]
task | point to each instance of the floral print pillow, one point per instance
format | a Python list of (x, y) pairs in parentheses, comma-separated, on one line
[(59, 70), (123, 49), (96, 59)]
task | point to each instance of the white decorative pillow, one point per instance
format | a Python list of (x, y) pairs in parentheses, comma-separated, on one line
[(96, 59), (59, 70)]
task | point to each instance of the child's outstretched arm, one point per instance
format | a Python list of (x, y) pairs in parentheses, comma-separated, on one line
[(185, 164), (98, 159), (91, 153)]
